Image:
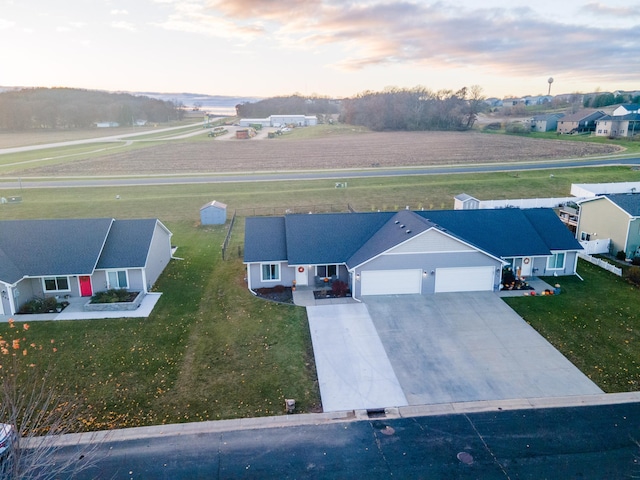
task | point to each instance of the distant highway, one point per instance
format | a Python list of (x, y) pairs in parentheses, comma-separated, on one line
[(315, 175), (109, 138)]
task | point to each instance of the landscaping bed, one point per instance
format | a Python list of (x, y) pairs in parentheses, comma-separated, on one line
[(114, 300), (279, 293)]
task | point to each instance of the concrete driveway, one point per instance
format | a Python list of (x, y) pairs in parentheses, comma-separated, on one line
[(453, 347)]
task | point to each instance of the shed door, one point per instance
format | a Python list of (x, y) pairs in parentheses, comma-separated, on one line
[(391, 282), (464, 279)]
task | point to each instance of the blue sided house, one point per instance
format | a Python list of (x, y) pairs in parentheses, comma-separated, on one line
[(407, 252)]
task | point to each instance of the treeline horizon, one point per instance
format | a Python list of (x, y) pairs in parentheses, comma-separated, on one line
[(392, 109), (63, 108), (288, 105)]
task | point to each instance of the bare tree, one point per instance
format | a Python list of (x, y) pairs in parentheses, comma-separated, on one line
[(38, 413)]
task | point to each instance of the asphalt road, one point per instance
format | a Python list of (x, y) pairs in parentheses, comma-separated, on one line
[(596, 442), (316, 175)]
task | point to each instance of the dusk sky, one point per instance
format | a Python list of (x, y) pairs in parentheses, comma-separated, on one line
[(335, 48)]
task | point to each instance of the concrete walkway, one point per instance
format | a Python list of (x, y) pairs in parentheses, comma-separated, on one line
[(353, 369), (74, 311)]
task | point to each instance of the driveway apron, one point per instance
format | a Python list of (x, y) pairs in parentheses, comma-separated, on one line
[(353, 369), (460, 347)]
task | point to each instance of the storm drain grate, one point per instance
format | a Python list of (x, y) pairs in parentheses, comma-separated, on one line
[(376, 413)]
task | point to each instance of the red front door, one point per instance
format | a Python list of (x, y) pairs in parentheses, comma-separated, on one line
[(85, 286)]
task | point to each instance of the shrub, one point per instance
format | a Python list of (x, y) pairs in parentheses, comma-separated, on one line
[(633, 275), (516, 127), (493, 126), (114, 295), (40, 305), (339, 288), (621, 255)]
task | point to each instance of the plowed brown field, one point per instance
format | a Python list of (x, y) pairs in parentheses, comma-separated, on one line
[(386, 149)]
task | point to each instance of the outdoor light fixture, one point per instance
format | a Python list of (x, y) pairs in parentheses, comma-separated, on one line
[(358, 276), (424, 273)]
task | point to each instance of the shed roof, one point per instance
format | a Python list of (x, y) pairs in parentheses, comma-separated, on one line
[(215, 204)]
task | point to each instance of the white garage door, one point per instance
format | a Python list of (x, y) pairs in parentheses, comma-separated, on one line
[(391, 282), (464, 279)]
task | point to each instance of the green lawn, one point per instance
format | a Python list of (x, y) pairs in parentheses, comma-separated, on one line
[(595, 323), (211, 350)]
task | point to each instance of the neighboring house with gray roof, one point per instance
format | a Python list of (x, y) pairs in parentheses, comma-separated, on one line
[(78, 257), (406, 252), (626, 109), (546, 122), (583, 121), (618, 125), (615, 216)]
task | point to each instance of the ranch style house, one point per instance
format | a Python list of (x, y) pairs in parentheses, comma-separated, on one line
[(78, 257), (407, 252)]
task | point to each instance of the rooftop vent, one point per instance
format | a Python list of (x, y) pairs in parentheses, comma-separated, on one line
[(408, 231)]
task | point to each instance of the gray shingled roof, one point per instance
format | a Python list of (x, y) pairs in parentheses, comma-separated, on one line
[(264, 239), (50, 247), (127, 244), (353, 238), (629, 202), (401, 227), (38, 248)]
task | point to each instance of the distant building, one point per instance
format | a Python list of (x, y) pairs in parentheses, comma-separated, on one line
[(545, 123), (281, 121), (107, 124), (583, 121), (213, 213), (465, 202)]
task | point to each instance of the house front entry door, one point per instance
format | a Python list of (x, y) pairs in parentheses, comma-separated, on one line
[(85, 286), (302, 276)]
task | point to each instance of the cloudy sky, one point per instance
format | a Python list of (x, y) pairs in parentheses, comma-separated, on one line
[(328, 47)]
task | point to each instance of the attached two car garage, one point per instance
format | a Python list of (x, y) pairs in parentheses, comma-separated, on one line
[(415, 281)]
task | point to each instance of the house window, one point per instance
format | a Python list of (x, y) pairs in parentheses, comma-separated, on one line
[(270, 272), (56, 284), (556, 261), (117, 279), (327, 270), (585, 236)]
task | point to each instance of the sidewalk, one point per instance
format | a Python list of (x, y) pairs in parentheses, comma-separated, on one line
[(75, 311)]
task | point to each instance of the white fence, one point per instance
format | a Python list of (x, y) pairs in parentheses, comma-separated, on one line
[(593, 247), (602, 264), (528, 202)]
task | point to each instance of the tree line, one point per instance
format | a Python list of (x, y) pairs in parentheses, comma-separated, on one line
[(51, 108), (287, 105), (415, 109), (606, 99)]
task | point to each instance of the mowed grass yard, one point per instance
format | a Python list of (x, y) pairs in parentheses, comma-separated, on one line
[(211, 350), (595, 323)]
